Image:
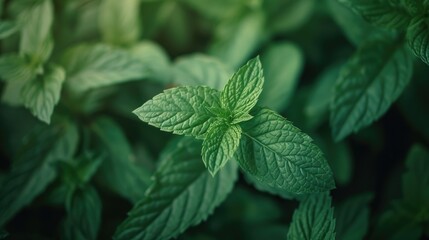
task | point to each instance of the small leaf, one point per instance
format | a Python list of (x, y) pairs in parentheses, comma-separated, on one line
[(199, 69), (388, 14), (241, 92), (119, 21), (280, 155), (418, 38), (415, 181), (33, 170), (237, 38), (368, 84), (118, 171), (219, 145), (83, 215), (35, 22), (94, 66), (42, 94), (182, 195), (15, 68), (314, 219), (7, 28), (181, 110), (352, 218), (282, 65)]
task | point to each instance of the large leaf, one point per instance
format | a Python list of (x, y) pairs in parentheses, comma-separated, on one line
[(241, 92), (199, 69), (35, 22), (219, 145), (368, 84), (119, 21), (83, 215), (418, 38), (280, 155), (94, 66), (389, 14), (181, 110), (352, 218), (118, 170), (314, 219), (182, 195), (33, 170), (41, 94), (282, 65)]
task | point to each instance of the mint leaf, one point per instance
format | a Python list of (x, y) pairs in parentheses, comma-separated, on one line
[(181, 110), (155, 59), (314, 219), (368, 84), (118, 171), (15, 68), (7, 28), (418, 38), (210, 71), (219, 145), (42, 93), (33, 171), (352, 217), (182, 195), (83, 215), (241, 92), (237, 37), (388, 14), (415, 181), (94, 66), (263, 187), (280, 155), (35, 22), (119, 21), (282, 64)]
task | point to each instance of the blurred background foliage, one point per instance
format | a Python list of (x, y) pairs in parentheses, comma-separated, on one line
[(104, 44)]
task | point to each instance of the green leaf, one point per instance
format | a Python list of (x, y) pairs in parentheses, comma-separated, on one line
[(119, 21), (219, 145), (182, 195), (241, 92), (15, 68), (288, 15), (7, 28), (415, 181), (263, 187), (94, 66), (41, 94), (282, 65), (354, 27), (218, 10), (418, 38), (314, 219), (199, 69), (237, 38), (83, 215), (118, 171), (181, 110), (352, 218), (33, 171), (35, 22), (368, 84), (155, 59), (280, 155), (388, 14)]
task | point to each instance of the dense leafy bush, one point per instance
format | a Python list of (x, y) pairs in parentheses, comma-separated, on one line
[(297, 119)]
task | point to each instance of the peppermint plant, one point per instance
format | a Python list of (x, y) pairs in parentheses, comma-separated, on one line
[(264, 144)]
